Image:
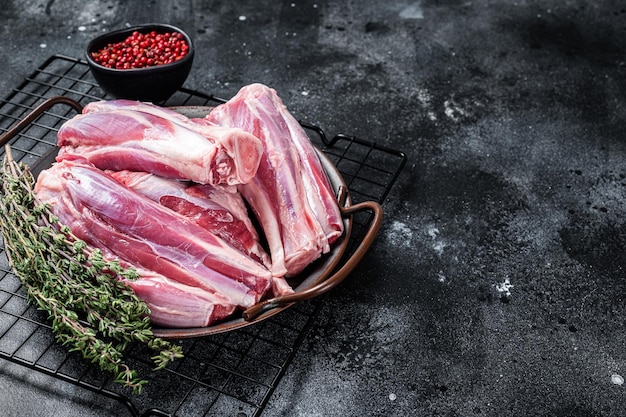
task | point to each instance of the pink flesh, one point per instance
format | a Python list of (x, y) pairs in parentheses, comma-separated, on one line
[(248, 159), (217, 209), (105, 213), (142, 141), (108, 105), (173, 304), (298, 228), (319, 191)]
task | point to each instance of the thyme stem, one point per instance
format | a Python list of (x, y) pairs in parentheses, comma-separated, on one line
[(91, 309)]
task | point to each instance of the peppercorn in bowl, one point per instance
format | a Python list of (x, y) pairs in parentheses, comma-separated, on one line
[(146, 62)]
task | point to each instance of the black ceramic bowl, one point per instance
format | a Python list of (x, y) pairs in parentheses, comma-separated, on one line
[(155, 83)]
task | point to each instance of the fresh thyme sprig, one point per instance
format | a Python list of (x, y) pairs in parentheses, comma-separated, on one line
[(92, 310)]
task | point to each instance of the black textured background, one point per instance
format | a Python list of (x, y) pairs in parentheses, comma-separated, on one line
[(496, 286)]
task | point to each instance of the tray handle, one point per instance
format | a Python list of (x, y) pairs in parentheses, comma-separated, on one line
[(332, 281), (36, 112)]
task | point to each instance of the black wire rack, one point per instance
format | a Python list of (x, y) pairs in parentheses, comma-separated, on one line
[(233, 373)]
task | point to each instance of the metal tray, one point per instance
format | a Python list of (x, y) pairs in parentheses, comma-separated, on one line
[(316, 280)]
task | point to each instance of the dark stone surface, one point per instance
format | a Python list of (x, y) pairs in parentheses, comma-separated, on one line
[(497, 284)]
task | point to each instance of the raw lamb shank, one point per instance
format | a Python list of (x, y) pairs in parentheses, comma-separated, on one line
[(139, 138), (173, 196), (290, 193)]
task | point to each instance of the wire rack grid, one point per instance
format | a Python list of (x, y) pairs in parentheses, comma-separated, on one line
[(233, 373)]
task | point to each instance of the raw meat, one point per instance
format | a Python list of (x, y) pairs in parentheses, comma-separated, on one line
[(220, 210), (173, 304), (156, 142), (145, 107), (290, 193), (104, 213)]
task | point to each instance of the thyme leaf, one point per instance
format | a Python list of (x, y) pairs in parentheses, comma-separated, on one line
[(92, 310)]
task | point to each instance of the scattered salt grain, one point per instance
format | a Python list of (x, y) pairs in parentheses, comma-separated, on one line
[(82, 28), (432, 231), (453, 110), (439, 247), (42, 45), (305, 93), (392, 397), (504, 287), (242, 18), (617, 379), (399, 234)]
